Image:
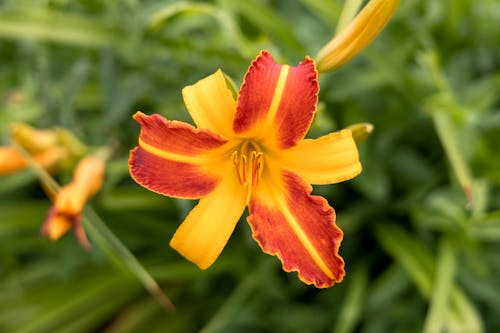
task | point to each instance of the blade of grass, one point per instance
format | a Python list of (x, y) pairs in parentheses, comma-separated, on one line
[(440, 108), (227, 23), (57, 27), (327, 11), (109, 243), (115, 248), (440, 299), (102, 295), (418, 262), (267, 21), (232, 305), (447, 136), (354, 301)]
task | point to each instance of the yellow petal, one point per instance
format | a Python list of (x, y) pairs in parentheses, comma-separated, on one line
[(357, 35), (211, 104), (329, 159), (34, 140), (206, 230)]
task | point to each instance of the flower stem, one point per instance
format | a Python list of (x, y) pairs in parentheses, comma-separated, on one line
[(115, 249)]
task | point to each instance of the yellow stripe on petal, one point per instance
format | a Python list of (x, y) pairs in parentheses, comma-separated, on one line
[(357, 35), (277, 96), (276, 102), (207, 228), (329, 159), (211, 104), (194, 159), (304, 239)]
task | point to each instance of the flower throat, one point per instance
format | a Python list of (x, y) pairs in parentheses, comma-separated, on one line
[(249, 162)]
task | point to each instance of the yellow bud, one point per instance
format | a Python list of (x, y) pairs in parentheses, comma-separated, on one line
[(357, 35), (32, 139)]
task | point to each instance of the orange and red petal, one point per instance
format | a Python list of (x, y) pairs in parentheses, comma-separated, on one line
[(277, 101), (298, 104), (176, 159), (175, 137), (298, 228), (256, 93), (169, 177)]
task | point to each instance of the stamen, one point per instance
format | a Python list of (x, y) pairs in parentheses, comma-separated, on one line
[(236, 163), (248, 162), (243, 168)]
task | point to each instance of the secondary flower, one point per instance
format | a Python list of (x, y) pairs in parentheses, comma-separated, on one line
[(251, 152), (71, 199)]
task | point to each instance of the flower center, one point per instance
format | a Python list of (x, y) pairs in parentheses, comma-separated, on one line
[(249, 162)]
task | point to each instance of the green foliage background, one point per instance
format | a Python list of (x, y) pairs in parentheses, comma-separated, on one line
[(418, 256)]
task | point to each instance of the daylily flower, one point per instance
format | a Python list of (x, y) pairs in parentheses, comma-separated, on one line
[(357, 35), (251, 152), (71, 199)]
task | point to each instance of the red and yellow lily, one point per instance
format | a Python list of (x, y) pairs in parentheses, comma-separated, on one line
[(251, 152)]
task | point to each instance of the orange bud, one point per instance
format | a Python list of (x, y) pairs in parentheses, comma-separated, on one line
[(71, 199), (56, 225), (88, 174)]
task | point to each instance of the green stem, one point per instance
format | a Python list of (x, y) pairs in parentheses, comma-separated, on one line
[(440, 111), (448, 138), (104, 237), (349, 11)]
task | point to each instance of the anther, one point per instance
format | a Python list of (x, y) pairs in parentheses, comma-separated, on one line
[(248, 162)]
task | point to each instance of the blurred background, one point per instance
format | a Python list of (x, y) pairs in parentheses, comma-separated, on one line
[(421, 223)]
